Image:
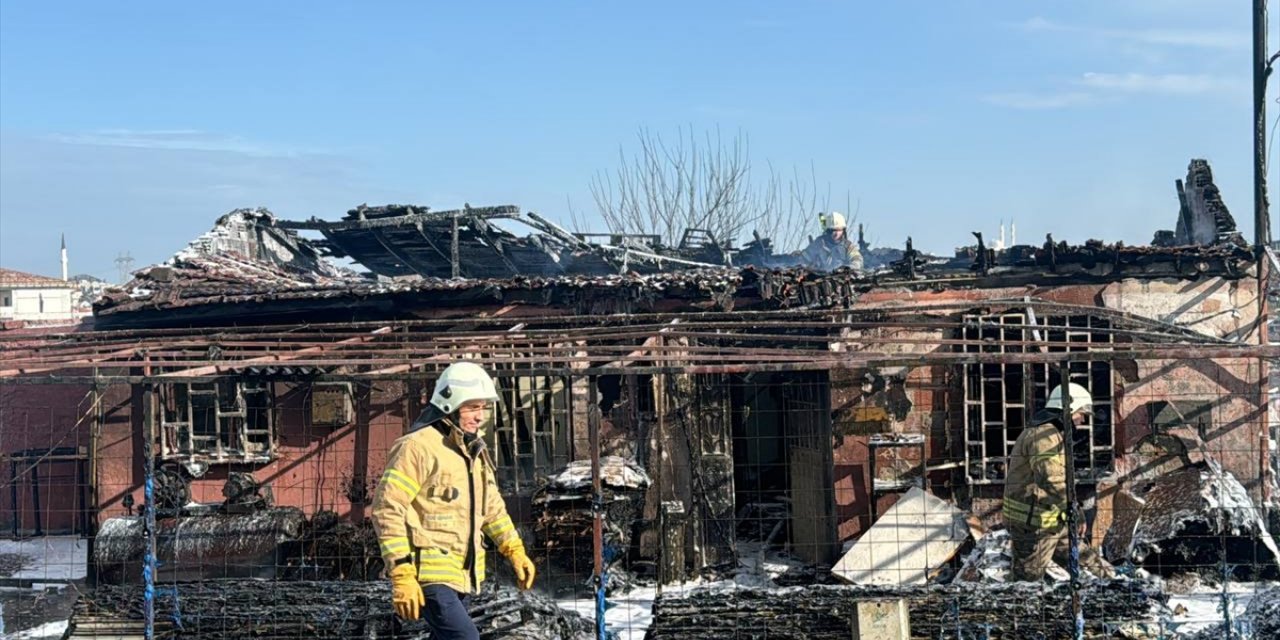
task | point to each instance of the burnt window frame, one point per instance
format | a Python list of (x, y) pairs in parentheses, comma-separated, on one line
[(1022, 332), (531, 439), (218, 421)]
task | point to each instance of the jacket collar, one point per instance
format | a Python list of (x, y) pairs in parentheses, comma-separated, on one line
[(470, 444), (429, 416), (1048, 416)]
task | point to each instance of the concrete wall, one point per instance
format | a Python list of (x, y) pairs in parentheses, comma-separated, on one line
[(38, 303)]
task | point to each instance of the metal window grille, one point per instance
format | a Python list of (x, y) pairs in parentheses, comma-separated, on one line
[(1001, 398), (531, 433)]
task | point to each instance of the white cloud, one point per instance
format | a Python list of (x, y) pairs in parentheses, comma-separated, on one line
[(170, 139), (1059, 100), (1169, 83), (1194, 38)]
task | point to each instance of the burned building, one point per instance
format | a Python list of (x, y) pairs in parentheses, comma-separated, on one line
[(764, 408)]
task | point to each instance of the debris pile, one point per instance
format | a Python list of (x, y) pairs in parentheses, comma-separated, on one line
[(334, 549), (1014, 610), (564, 522), (227, 609), (990, 561), (525, 615), (11, 563), (1263, 613), (1196, 519), (764, 522), (1261, 619)]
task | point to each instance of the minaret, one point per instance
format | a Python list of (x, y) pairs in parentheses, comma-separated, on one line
[(1013, 233), (1000, 245), (64, 257)]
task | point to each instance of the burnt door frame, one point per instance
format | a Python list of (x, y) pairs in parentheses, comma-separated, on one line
[(811, 462)]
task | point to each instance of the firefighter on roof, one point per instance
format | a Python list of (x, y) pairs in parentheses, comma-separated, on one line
[(832, 250)]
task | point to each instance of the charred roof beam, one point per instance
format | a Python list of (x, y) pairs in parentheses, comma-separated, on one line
[(403, 257), (316, 224), (484, 230)]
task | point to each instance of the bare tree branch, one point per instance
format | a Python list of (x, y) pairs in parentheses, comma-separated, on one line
[(703, 182)]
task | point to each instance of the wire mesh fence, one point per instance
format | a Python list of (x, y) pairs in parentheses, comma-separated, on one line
[(667, 500)]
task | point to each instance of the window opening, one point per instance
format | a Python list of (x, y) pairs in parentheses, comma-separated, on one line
[(1001, 398)]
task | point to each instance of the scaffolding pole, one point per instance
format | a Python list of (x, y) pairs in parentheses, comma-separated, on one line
[(149, 513), (599, 578)]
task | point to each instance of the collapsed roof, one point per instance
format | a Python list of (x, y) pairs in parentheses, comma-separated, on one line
[(254, 264), (407, 240)]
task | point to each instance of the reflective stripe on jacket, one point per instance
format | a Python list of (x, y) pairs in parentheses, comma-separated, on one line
[(1035, 488), (1036, 518), (436, 500)]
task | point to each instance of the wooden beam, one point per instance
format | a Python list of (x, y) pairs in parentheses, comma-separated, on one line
[(403, 258), (276, 359), (315, 224)]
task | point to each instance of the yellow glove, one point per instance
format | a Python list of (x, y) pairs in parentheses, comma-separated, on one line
[(523, 567), (406, 593)]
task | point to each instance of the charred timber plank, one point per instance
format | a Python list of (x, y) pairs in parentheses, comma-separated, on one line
[(502, 211), (352, 247), (1002, 611), (319, 610), (401, 256), (485, 231)]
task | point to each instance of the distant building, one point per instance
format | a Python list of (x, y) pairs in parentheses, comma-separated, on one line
[(91, 288), (33, 298)]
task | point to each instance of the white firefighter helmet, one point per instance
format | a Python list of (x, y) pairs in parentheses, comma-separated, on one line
[(1080, 399), (461, 382), (835, 220)]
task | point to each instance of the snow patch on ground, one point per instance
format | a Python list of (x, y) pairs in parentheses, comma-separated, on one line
[(48, 630), (1201, 608), (628, 616), (25, 613), (59, 558)]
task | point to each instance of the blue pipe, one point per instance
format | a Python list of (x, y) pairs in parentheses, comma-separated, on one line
[(149, 557)]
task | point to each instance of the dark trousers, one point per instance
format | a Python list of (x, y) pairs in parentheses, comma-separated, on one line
[(446, 614)]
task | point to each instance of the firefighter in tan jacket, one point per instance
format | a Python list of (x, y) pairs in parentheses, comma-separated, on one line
[(833, 249), (1035, 491), (436, 497)]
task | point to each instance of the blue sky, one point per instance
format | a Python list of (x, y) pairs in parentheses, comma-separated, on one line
[(132, 126)]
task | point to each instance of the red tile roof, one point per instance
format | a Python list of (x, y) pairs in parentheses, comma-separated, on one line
[(11, 278)]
